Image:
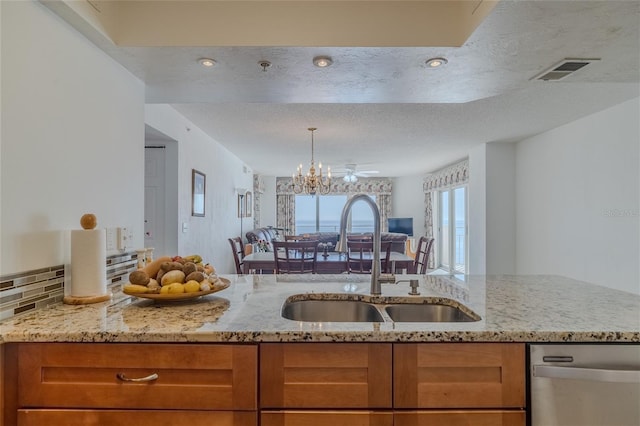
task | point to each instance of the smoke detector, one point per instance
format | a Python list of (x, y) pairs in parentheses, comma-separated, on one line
[(563, 69)]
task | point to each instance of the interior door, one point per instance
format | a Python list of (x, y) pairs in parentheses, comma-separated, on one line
[(154, 198)]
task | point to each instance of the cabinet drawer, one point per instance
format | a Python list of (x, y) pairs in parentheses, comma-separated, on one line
[(459, 375), (460, 418), (324, 418), (134, 417), (85, 375), (325, 375)]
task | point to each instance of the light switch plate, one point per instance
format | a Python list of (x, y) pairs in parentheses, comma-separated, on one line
[(111, 236), (125, 238)]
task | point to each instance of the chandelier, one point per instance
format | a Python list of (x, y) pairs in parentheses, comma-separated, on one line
[(312, 184)]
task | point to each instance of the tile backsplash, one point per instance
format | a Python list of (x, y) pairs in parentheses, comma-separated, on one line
[(32, 290)]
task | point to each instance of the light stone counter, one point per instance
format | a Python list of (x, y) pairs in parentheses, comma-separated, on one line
[(511, 308)]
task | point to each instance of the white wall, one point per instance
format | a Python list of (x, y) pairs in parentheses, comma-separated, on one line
[(72, 139), (224, 172), (578, 200), (477, 209), (408, 201), (500, 208)]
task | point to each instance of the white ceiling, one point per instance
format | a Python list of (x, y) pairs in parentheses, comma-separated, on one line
[(381, 108)]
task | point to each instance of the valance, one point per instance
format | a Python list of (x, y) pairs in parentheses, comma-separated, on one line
[(457, 174), (380, 186)]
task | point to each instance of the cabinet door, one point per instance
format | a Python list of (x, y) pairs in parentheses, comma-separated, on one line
[(324, 418), (459, 375), (134, 417), (94, 375), (325, 375), (460, 418)]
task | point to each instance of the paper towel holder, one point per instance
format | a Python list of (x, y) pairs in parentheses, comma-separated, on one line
[(88, 222)]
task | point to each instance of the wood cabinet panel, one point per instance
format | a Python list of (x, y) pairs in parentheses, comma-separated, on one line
[(460, 418), (324, 418), (459, 375), (325, 375), (85, 375), (55, 417)]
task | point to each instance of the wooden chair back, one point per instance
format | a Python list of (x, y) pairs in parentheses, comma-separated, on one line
[(360, 257), (361, 238), (295, 257), (237, 246), (421, 261)]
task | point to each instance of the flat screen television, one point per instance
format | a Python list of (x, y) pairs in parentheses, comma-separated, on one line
[(401, 225)]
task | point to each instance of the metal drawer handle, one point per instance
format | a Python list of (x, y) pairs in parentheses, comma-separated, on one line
[(149, 378), (593, 374)]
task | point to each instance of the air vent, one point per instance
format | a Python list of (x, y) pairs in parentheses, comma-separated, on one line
[(563, 69)]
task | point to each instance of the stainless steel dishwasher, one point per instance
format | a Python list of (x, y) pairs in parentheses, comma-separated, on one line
[(585, 384)]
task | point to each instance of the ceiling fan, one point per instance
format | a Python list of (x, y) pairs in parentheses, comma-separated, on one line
[(350, 173)]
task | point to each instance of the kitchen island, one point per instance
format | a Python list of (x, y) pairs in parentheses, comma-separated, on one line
[(231, 359), (511, 309)]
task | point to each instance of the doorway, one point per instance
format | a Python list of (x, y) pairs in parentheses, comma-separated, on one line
[(160, 193)]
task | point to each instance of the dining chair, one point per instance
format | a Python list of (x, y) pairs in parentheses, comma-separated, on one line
[(237, 246), (295, 257), (423, 251), (360, 257), (360, 238)]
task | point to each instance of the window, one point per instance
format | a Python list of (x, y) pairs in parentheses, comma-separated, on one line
[(322, 214), (452, 229)]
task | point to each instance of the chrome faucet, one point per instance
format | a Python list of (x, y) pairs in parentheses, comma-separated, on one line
[(342, 242)]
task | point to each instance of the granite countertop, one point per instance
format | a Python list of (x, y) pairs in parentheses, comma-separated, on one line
[(532, 308)]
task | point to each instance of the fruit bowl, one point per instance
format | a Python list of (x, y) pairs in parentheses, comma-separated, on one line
[(219, 286)]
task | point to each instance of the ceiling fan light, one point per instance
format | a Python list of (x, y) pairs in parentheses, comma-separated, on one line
[(350, 178)]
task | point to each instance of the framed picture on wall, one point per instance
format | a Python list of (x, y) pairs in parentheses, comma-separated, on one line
[(240, 205), (248, 204), (198, 192)]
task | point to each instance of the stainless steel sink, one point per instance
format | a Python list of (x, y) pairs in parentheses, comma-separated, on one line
[(331, 311), (430, 312)]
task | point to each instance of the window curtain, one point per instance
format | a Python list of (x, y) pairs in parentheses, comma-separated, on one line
[(428, 224), (455, 175), (286, 213), (384, 205), (380, 187)]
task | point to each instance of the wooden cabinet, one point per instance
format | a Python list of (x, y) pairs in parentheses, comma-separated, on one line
[(66, 417), (459, 375), (324, 418), (106, 383), (301, 384), (480, 384), (325, 375), (459, 418)]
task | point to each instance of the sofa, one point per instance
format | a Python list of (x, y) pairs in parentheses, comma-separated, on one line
[(398, 241)]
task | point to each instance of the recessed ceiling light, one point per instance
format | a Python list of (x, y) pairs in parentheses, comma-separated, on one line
[(436, 62), (206, 62), (322, 61)]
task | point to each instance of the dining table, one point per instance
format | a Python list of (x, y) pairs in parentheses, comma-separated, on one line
[(329, 263)]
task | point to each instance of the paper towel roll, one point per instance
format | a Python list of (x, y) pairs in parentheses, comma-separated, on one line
[(88, 263)]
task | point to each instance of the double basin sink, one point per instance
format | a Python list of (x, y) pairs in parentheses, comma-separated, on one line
[(338, 308)]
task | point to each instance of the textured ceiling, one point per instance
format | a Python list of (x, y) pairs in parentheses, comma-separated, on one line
[(381, 108)]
